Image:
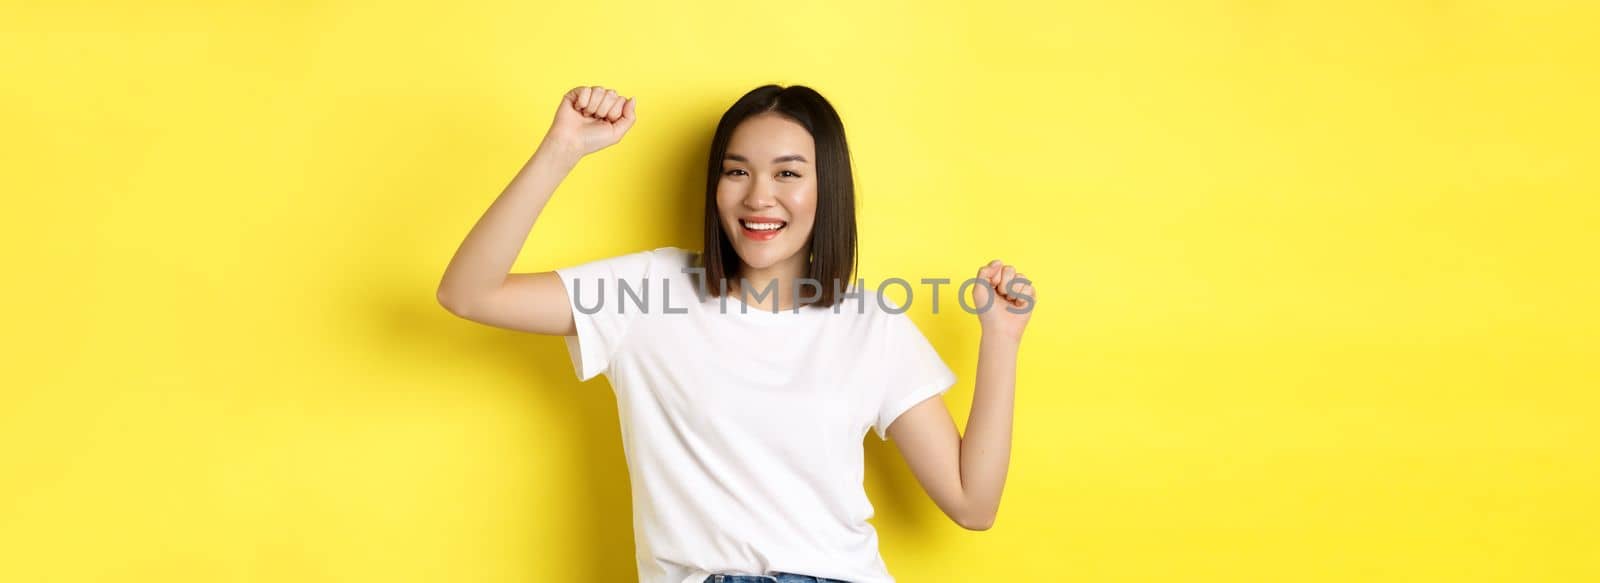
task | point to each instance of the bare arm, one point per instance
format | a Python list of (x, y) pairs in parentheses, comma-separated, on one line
[(966, 475), (477, 284)]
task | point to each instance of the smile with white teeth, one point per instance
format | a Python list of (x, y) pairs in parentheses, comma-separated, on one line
[(761, 226)]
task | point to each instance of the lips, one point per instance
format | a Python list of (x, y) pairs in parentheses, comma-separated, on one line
[(761, 228)]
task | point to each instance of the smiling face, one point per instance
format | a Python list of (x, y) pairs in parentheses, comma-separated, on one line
[(767, 193)]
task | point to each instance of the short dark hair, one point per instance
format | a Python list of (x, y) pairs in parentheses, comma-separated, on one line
[(832, 248)]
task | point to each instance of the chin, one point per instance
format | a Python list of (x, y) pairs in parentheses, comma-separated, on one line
[(764, 257), (758, 258)]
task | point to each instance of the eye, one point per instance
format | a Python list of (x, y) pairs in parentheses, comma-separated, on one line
[(733, 172), (788, 173)]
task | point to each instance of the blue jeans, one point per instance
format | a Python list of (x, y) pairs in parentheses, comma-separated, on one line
[(777, 578)]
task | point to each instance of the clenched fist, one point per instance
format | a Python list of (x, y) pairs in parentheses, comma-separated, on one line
[(591, 118), (1009, 298)]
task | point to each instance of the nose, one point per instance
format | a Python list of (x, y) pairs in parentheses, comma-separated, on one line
[(759, 196)]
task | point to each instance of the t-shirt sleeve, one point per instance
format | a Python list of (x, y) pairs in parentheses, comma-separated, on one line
[(915, 373), (601, 321)]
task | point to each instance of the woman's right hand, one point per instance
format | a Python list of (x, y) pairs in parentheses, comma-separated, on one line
[(591, 118)]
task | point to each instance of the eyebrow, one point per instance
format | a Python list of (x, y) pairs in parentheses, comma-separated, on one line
[(778, 160)]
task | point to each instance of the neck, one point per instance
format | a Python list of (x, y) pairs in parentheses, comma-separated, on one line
[(777, 281)]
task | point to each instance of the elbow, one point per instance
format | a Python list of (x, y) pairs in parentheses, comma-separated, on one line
[(450, 303), (979, 522)]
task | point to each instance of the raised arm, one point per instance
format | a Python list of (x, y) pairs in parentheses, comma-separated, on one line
[(477, 284), (966, 474)]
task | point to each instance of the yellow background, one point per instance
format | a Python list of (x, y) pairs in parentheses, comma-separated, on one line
[(1317, 280)]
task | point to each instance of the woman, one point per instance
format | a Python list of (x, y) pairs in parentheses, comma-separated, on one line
[(742, 420)]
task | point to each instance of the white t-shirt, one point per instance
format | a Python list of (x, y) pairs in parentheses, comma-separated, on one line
[(742, 430)]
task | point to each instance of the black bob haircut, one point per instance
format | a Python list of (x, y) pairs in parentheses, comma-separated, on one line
[(832, 246)]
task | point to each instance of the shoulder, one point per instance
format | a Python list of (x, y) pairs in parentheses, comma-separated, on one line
[(659, 255), (647, 262), (668, 261), (673, 256)]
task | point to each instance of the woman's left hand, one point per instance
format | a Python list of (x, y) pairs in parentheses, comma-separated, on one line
[(1009, 297)]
